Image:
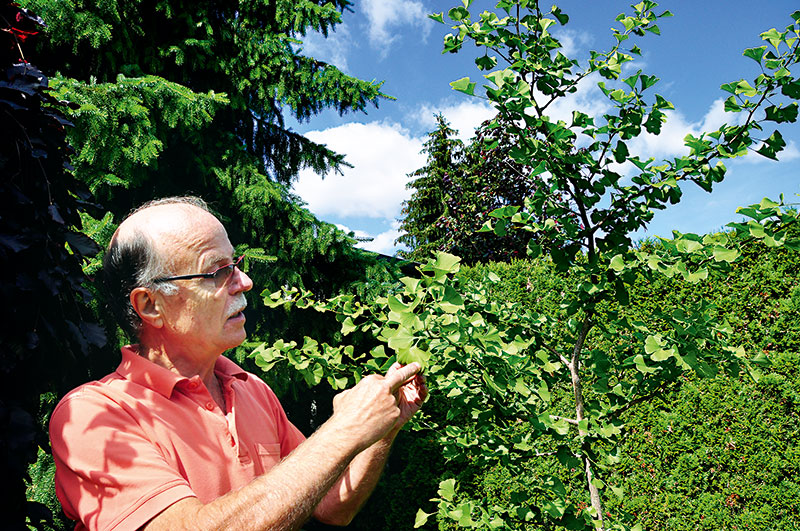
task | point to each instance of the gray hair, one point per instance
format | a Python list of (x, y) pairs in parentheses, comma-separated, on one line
[(133, 262)]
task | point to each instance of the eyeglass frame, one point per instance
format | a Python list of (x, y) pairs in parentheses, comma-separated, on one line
[(211, 275)]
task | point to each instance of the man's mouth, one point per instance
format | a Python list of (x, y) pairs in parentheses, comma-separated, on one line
[(238, 314)]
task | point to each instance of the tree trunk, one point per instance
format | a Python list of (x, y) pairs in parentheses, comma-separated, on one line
[(574, 369)]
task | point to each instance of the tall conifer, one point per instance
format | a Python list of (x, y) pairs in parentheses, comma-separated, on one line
[(193, 97)]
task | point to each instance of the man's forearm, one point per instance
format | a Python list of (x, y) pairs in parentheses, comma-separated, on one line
[(351, 491)]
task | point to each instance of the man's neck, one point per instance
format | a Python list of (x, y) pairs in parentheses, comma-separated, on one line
[(186, 365)]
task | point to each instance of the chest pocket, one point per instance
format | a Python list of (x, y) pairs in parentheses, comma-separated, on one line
[(267, 456)]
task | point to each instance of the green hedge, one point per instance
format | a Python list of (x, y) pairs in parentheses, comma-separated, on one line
[(717, 453)]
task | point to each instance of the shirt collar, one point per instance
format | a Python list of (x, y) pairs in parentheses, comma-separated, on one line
[(142, 371)]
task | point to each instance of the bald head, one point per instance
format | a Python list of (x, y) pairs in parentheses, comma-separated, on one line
[(142, 250), (166, 226)]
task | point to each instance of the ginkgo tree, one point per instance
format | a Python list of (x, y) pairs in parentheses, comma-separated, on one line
[(520, 385)]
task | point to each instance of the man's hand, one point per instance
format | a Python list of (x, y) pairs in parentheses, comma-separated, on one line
[(379, 404), (410, 395)]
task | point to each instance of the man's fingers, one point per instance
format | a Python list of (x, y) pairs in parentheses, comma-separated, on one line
[(397, 378)]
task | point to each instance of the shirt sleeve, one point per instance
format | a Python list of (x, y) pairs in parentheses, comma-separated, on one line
[(108, 474)]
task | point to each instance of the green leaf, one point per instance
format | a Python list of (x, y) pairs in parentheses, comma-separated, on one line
[(464, 85), (539, 169), (544, 392), (348, 326), (792, 90), (773, 36), (773, 145), (688, 246), (396, 305), (504, 212), (782, 114), (447, 262), (722, 254), (731, 105), (755, 53), (438, 17), (555, 508), (399, 339), (662, 354), (452, 300), (599, 483), (414, 354), (447, 489), (744, 88), (421, 518), (641, 366), (561, 17), (653, 344), (621, 152), (697, 276), (458, 13)]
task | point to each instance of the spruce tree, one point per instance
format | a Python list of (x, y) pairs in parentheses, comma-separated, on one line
[(422, 225), (456, 191), (178, 97)]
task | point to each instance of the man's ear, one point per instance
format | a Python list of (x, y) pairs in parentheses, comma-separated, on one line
[(147, 307)]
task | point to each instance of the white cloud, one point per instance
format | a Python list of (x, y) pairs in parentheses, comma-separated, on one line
[(670, 143), (573, 42), (789, 153), (386, 17), (382, 154), (587, 99), (333, 49), (382, 243), (464, 117)]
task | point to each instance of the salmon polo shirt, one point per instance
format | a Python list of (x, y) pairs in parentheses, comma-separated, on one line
[(130, 445)]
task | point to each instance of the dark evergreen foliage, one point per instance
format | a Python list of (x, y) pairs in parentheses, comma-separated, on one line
[(48, 330), (247, 50)]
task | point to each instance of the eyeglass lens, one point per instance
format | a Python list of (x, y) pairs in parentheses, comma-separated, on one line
[(222, 274)]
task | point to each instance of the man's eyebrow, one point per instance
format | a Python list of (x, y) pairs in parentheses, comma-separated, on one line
[(220, 260)]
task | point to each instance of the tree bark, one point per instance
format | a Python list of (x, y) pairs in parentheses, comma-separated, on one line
[(577, 387)]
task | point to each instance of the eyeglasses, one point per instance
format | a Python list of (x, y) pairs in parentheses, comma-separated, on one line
[(220, 275)]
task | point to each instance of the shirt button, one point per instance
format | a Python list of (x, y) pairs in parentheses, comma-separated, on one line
[(192, 385), (209, 405)]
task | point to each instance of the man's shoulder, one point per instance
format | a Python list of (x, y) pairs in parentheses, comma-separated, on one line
[(103, 389)]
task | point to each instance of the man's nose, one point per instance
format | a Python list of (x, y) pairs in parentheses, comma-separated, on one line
[(241, 282)]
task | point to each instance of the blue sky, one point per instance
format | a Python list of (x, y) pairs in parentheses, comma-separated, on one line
[(699, 49)]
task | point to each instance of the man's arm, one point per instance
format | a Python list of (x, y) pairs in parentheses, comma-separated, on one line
[(343, 501), (286, 496)]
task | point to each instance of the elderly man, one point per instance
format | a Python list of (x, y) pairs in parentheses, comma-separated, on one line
[(179, 437)]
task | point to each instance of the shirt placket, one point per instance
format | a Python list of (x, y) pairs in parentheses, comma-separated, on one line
[(230, 418), (200, 395)]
